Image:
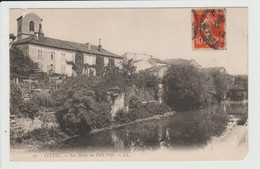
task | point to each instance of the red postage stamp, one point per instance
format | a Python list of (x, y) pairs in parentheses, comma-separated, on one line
[(209, 27)]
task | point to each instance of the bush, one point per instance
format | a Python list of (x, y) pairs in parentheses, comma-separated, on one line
[(18, 106), (186, 87), (242, 119), (137, 110), (121, 117), (43, 99), (43, 134), (16, 99), (237, 95), (30, 108)]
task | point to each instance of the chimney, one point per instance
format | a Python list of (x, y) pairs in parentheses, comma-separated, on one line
[(88, 46), (40, 33), (100, 46)]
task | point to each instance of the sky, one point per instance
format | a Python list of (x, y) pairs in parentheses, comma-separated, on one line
[(164, 33)]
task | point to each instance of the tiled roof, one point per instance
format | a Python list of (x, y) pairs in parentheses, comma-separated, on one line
[(212, 69), (157, 68), (158, 60), (136, 61), (61, 44)]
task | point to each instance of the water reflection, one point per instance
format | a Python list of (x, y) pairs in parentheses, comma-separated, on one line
[(183, 130)]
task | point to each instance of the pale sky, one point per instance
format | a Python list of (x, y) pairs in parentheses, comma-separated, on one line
[(165, 33)]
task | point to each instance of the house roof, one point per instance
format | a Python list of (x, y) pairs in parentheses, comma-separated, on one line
[(67, 45), (181, 62), (157, 68), (158, 60), (212, 69)]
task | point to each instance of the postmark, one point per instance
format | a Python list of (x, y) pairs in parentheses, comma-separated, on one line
[(209, 29)]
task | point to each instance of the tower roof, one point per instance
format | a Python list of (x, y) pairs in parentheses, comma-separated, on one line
[(28, 14)]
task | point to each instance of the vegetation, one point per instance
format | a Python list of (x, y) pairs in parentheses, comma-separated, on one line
[(137, 110), (222, 83), (84, 103), (16, 99), (20, 65), (18, 105), (185, 87), (239, 91), (242, 119)]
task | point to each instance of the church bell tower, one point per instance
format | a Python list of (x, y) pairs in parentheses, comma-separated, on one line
[(29, 25)]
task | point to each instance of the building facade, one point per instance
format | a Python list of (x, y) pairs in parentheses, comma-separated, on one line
[(57, 56)]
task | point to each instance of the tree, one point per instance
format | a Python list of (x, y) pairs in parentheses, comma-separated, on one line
[(185, 87), (12, 38), (20, 65), (221, 83), (81, 105)]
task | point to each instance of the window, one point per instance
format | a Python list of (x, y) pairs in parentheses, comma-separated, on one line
[(105, 61), (94, 60), (52, 55), (73, 58), (62, 56), (63, 68), (31, 26), (90, 59), (52, 67), (39, 54)]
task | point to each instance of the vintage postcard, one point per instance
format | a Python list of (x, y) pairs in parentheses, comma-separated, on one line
[(128, 84)]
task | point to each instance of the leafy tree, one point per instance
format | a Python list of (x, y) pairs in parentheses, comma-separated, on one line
[(222, 83), (81, 105), (185, 87), (21, 65)]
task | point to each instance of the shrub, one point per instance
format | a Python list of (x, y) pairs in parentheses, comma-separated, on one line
[(137, 110), (43, 134), (242, 119), (237, 95), (19, 106), (16, 99), (43, 99), (121, 117), (30, 108)]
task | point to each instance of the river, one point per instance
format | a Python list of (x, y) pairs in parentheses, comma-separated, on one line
[(190, 129)]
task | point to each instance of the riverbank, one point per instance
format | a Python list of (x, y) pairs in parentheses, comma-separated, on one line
[(36, 145), (116, 126), (234, 142)]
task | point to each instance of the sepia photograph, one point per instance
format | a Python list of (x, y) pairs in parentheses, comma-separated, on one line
[(128, 84)]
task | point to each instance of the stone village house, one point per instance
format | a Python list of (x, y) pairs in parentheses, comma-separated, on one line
[(57, 56)]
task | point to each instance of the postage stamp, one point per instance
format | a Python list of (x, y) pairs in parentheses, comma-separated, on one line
[(208, 26)]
